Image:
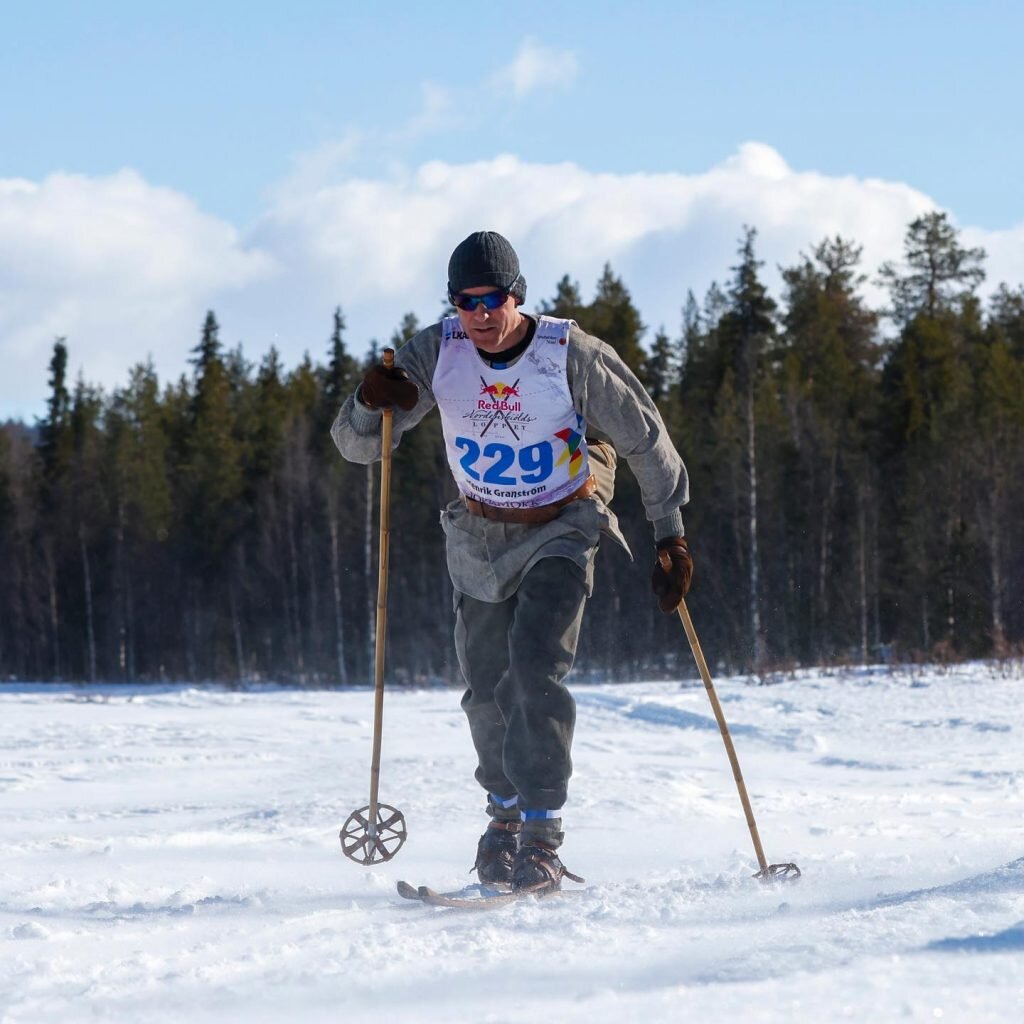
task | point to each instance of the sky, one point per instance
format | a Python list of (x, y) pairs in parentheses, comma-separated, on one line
[(272, 161)]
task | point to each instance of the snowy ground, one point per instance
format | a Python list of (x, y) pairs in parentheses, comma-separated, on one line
[(172, 855)]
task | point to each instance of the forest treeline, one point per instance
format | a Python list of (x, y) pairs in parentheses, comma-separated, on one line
[(857, 481)]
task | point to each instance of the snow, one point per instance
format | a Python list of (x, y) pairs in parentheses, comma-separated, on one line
[(172, 855)]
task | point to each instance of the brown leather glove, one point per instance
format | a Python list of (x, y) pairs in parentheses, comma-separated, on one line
[(672, 583), (385, 387)]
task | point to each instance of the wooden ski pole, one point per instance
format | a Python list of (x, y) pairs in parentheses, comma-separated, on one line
[(768, 872), (368, 835)]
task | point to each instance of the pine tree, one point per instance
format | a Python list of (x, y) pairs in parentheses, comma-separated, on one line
[(567, 303), (55, 449), (1007, 318), (209, 348), (926, 436), (142, 504), (421, 486), (339, 378), (1000, 494), (25, 647), (54, 430), (213, 456), (336, 488), (938, 271), (6, 483), (745, 333), (213, 488), (827, 357), (10, 596), (660, 368), (614, 319), (89, 512), (998, 439), (405, 332)]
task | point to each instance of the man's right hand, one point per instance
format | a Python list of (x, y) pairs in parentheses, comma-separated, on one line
[(385, 387)]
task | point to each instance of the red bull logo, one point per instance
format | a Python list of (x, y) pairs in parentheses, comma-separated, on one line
[(499, 396), (502, 392)]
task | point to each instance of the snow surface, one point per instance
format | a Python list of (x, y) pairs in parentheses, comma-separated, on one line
[(172, 855)]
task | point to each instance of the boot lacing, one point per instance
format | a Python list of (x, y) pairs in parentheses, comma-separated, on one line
[(546, 858)]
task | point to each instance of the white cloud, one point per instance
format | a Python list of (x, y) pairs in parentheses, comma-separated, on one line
[(1004, 251), (381, 247), (123, 268), (119, 266), (536, 67)]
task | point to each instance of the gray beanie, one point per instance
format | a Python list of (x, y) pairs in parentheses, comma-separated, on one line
[(486, 258)]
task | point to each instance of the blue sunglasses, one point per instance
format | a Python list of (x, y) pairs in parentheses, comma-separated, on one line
[(492, 300)]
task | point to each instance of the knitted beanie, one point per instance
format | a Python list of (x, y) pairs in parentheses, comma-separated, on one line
[(486, 258)]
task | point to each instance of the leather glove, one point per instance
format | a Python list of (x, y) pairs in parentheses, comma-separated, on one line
[(671, 584), (385, 387)]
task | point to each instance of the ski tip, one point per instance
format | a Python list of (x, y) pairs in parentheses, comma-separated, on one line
[(475, 897), (407, 891)]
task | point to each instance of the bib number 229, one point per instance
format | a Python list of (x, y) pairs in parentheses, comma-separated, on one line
[(498, 463)]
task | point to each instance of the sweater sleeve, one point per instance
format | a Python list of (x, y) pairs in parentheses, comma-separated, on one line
[(615, 405), (356, 430)]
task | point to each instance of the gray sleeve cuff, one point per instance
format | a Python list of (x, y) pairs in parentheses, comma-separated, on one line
[(364, 420), (669, 526)]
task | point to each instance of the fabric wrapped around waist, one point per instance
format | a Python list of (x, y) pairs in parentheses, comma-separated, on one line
[(536, 514)]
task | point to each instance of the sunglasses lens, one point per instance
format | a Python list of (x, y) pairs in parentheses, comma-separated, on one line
[(492, 300)]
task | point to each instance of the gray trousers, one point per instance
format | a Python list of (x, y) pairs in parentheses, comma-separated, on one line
[(514, 655)]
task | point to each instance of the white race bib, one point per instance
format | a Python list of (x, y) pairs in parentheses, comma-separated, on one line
[(512, 435)]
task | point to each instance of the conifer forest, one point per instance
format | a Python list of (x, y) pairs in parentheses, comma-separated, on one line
[(856, 474)]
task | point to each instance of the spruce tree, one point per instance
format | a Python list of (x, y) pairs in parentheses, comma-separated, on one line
[(614, 319), (54, 430), (660, 368), (209, 348), (421, 486), (213, 489), (745, 333), (340, 373), (89, 514), (827, 356), (926, 437), (336, 485), (567, 303), (55, 449), (142, 502), (25, 649), (1007, 317)]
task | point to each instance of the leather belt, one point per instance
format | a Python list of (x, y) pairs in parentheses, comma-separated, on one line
[(537, 514)]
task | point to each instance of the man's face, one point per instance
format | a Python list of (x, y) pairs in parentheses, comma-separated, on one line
[(491, 329)]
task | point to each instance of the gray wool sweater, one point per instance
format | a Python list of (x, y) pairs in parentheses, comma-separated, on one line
[(488, 559)]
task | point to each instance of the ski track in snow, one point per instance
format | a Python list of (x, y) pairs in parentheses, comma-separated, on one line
[(171, 854)]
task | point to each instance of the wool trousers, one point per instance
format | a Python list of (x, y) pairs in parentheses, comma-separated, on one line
[(514, 656)]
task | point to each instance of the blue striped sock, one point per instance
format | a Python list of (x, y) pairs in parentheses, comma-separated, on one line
[(532, 815)]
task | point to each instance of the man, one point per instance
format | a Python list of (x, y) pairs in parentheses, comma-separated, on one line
[(534, 413)]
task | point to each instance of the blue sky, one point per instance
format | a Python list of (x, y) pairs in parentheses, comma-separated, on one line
[(164, 158)]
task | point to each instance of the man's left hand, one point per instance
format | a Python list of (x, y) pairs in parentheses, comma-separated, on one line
[(671, 583)]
